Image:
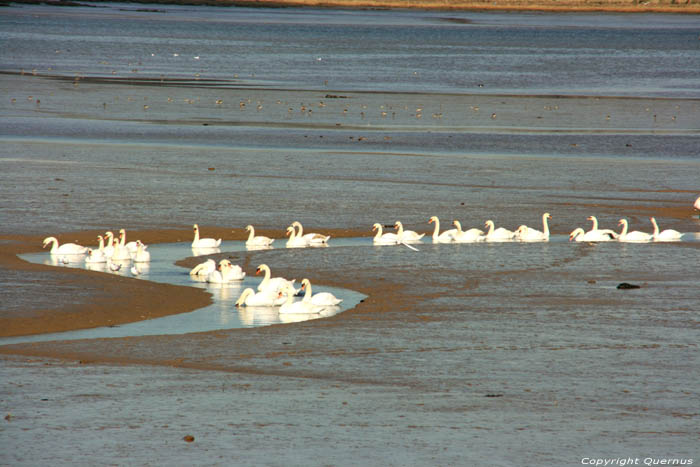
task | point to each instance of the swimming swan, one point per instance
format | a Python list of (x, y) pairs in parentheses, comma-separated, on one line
[(250, 298), (203, 242), (294, 241), (445, 237), (528, 234), (668, 235), (65, 249), (497, 235), (259, 240), (272, 284), (298, 307), (604, 234), (384, 238), (579, 235), (467, 236), (406, 236), (312, 238), (141, 255), (634, 236), (204, 269), (320, 299)]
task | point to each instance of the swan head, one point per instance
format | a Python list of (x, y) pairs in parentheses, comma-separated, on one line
[(261, 268), (398, 224), (376, 226), (432, 219), (575, 233), (241, 300), (622, 222), (47, 240), (304, 283), (289, 231), (488, 223), (296, 224), (457, 223), (546, 215), (249, 227)]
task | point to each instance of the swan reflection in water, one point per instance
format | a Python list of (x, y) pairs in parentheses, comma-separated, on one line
[(198, 251)]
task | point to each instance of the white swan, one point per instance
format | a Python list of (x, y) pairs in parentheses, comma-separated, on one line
[(528, 234), (231, 272), (109, 244), (312, 238), (320, 299), (204, 269), (65, 249), (467, 236), (579, 235), (668, 235), (131, 246), (273, 284), (121, 253), (384, 238), (407, 236), (95, 256), (141, 255), (497, 235), (257, 241), (634, 236), (604, 234), (203, 242), (298, 307), (445, 237), (294, 241), (250, 298)]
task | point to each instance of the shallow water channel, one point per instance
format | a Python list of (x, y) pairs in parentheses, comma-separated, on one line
[(222, 314)]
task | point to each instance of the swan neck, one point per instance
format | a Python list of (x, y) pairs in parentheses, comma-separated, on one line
[(490, 232), (545, 225), (379, 232), (436, 232), (251, 235), (301, 229), (656, 226)]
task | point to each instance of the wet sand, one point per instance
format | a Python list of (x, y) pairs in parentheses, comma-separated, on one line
[(508, 354)]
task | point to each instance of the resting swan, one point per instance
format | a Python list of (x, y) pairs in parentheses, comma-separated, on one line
[(604, 234), (131, 246), (445, 237), (634, 236), (311, 238), (320, 299), (527, 234), (406, 236), (272, 284), (203, 242), (384, 238), (667, 235), (204, 269), (95, 256), (65, 249), (467, 236), (257, 241), (250, 298), (294, 241), (579, 235), (498, 235), (120, 253), (141, 255), (298, 307)]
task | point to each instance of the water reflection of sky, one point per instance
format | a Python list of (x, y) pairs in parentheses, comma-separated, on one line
[(222, 314)]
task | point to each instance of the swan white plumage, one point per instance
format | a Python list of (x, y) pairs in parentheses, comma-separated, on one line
[(141, 255), (250, 298), (445, 237), (231, 272), (131, 246), (467, 236), (321, 298), (203, 242), (384, 238), (634, 236), (95, 256), (407, 236), (604, 234), (668, 235), (121, 253), (257, 241), (273, 284), (109, 244), (298, 307), (294, 241), (65, 249), (312, 238), (579, 235), (204, 269), (497, 235), (696, 205), (528, 234)]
